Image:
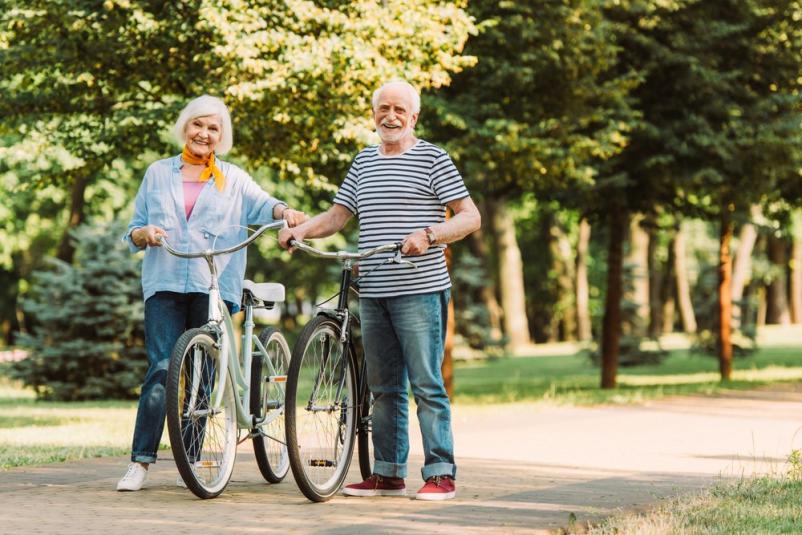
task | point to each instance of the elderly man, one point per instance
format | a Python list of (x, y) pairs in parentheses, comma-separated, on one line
[(399, 190)]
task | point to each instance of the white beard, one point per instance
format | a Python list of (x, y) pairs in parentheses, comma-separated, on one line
[(393, 136)]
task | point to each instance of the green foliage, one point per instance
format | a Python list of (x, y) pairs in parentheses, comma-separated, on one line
[(543, 104), (471, 314), (87, 337)]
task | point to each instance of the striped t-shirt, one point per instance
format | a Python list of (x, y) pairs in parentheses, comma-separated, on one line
[(393, 196)]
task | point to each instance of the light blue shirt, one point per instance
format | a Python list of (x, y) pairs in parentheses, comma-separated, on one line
[(217, 221)]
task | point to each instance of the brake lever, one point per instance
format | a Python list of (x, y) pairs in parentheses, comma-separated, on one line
[(397, 260)]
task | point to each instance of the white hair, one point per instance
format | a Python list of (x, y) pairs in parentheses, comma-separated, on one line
[(204, 106), (397, 82)]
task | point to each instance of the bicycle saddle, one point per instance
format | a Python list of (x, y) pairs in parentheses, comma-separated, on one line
[(269, 292)]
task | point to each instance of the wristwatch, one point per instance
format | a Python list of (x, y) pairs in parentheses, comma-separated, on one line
[(430, 235)]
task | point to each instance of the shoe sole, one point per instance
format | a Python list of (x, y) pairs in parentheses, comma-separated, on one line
[(432, 497), (126, 489), (370, 492)]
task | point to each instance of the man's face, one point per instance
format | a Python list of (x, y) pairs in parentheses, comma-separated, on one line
[(393, 114)]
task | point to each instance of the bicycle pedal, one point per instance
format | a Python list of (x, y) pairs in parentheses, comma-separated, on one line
[(207, 464), (277, 379), (321, 463)]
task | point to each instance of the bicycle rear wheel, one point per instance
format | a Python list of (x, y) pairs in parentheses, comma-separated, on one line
[(203, 436), (268, 381), (364, 446), (321, 410)]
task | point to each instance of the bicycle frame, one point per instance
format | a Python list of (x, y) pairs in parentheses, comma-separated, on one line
[(221, 328)]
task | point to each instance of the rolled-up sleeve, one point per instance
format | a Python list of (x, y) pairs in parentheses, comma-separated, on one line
[(140, 217), (258, 204)]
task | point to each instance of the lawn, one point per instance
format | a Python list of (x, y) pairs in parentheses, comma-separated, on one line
[(766, 505), (573, 380), (34, 432)]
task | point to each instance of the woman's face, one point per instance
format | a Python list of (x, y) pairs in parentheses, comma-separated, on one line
[(203, 134)]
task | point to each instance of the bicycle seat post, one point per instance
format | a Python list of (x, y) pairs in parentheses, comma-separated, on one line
[(214, 291)]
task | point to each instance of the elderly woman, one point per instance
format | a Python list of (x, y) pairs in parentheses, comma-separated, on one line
[(198, 202)]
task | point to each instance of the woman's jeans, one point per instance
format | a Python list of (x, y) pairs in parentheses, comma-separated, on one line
[(167, 316), (404, 338)]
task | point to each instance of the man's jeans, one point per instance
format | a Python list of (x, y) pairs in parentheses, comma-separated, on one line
[(404, 338), (167, 316)]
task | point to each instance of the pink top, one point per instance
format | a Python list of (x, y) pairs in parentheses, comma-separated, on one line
[(191, 192)]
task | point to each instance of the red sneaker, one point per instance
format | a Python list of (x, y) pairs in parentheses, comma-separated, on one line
[(377, 485), (437, 488)]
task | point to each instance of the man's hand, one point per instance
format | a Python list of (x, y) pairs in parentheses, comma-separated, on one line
[(294, 217), (148, 236), (415, 244), (287, 234)]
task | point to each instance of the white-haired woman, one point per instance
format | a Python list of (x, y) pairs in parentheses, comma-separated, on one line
[(198, 201)]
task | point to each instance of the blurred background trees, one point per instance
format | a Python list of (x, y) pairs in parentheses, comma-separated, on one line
[(638, 163)]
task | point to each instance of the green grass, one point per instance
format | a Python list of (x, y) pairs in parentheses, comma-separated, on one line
[(765, 505), (572, 380), (34, 432)]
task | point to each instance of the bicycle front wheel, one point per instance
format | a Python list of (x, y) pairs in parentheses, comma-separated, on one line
[(321, 410), (268, 381), (203, 431)]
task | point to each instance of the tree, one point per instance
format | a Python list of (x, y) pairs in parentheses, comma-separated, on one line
[(537, 110), (87, 341), (90, 89), (732, 68)]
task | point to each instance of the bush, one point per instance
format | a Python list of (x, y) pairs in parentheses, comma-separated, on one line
[(86, 339)]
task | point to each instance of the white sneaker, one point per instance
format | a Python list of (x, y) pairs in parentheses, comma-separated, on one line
[(134, 478)]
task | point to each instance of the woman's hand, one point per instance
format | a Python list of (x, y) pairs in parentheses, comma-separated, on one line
[(294, 217), (147, 236)]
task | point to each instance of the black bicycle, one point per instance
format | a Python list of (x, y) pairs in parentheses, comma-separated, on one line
[(328, 401)]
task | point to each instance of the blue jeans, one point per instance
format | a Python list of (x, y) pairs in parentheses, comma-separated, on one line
[(404, 339), (167, 316)]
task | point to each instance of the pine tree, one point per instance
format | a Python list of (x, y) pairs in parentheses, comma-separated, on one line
[(87, 339)]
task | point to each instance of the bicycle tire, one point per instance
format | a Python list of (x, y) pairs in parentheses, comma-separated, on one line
[(268, 400), (204, 443), (363, 436), (321, 432)]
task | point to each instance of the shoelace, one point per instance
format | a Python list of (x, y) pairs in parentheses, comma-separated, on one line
[(437, 479), (130, 472)]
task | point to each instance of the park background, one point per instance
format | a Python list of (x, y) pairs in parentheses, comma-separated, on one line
[(638, 166)]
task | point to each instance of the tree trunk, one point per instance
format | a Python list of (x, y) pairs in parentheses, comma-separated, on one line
[(447, 368), (742, 268), (686, 313), (563, 265), (667, 291), (795, 281), (511, 278), (725, 295), (637, 291), (66, 250), (655, 285), (611, 326), (583, 322), (777, 312)]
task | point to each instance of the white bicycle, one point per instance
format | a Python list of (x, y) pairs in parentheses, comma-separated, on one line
[(214, 392)]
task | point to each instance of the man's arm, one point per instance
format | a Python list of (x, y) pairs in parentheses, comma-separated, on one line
[(466, 219), (320, 226)]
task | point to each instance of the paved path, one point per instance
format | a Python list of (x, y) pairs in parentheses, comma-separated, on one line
[(522, 469)]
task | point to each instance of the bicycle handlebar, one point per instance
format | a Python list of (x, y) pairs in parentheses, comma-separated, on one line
[(210, 253), (345, 255)]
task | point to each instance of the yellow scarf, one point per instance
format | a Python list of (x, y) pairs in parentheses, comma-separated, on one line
[(211, 168)]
